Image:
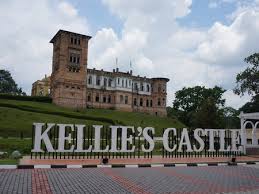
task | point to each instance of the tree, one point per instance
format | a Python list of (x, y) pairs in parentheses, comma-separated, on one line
[(252, 106), (248, 80), (8, 85), (190, 101), (208, 115)]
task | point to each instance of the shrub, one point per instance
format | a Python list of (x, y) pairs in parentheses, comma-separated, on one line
[(45, 99)]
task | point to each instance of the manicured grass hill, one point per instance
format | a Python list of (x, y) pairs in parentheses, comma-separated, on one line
[(17, 116)]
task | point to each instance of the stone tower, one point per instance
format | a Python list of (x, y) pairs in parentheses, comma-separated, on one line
[(69, 69)]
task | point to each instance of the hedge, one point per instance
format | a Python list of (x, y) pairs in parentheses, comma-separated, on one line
[(45, 99)]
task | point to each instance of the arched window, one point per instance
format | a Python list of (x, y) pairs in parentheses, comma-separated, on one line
[(159, 102), (141, 87), (110, 82), (97, 99), (135, 101), (98, 81), (126, 99), (148, 88), (151, 103), (121, 99), (135, 86), (147, 103), (109, 99), (105, 82), (104, 99), (89, 98), (141, 102), (90, 80)]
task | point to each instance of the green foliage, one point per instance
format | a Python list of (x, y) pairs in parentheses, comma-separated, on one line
[(8, 85), (199, 106), (252, 106), (208, 115), (45, 99), (248, 80)]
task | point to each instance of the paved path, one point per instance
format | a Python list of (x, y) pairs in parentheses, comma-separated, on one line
[(209, 179)]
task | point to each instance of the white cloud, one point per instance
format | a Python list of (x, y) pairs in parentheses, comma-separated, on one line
[(25, 33), (151, 38), (187, 56)]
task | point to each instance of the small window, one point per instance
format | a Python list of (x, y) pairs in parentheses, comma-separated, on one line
[(98, 81), (104, 99), (148, 88), (135, 101), (89, 98), (97, 98), (71, 59), (136, 86), (119, 81), (78, 41), (75, 41), (164, 102), (141, 102), (110, 83), (126, 83), (109, 99), (74, 59), (126, 99), (67, 86), (90, 80), (105, 82), (158, 102), (141, 87), (78, 60), (71, 40), (123, 83), (147, 103), (73, 87), (121, 99), (151, 103), (78, 88)]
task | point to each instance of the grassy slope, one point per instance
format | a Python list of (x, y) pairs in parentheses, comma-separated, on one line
[(13, 120)]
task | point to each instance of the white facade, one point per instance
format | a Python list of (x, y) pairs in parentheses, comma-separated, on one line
[(118, 83)]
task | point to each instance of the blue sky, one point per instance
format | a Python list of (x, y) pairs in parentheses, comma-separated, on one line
[(192, 42)]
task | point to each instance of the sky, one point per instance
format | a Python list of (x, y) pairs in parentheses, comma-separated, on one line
[(191, 42)]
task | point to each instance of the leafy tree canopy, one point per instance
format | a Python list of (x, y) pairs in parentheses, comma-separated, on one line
[(248, 80), (199, 106), (8, 85)]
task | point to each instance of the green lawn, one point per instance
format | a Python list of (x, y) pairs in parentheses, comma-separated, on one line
[(18, 116), (8, 161)]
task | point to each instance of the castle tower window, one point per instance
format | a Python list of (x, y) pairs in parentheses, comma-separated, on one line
[(135, 101), (126, 99), (90, 80), (151, 103), (89, 98), (147, 103), (97, 98), (109, 99), (110, 82), (104, 99), (159, 102), (159, 88), (121, 99), (141, 102)]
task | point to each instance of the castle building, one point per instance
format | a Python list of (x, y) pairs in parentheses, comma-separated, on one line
[(41, 87), (74, 85)]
